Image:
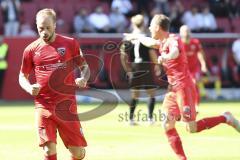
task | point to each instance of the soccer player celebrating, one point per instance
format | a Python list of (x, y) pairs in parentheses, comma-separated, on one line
[(195, 57), (45, 55), (179, 101)]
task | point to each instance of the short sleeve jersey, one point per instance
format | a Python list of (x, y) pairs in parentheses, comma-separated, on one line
[(44, 59), (192, 48), (176, 69)]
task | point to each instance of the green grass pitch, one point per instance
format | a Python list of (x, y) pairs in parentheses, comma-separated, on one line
[(111, 138)]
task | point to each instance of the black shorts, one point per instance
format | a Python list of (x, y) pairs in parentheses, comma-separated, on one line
[(142, 77)]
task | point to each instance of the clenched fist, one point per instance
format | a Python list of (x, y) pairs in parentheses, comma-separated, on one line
[(35, 89), (81, 82)]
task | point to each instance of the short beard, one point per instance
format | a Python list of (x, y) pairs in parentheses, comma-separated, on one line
[(49, 39)]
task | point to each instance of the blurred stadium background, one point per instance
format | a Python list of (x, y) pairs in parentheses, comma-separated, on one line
[(109, 138)]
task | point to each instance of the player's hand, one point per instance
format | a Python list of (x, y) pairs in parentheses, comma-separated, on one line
[(157, 70), (130, 75), (204, 69), (81, 82), (35, 88)]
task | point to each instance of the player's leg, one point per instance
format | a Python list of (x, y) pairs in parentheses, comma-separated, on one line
[(47, 133), (197, 79), (172, 113), (185, 99), (78, 153), (73, 138), (50, 151), (134, 100), (210, 122), (151, 104)]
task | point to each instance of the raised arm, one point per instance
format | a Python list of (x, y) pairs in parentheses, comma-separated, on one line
[(150, 42), (146, 41)]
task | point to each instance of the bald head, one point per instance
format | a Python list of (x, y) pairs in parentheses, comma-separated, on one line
[(46, 13), (46, 24), (185, 32)]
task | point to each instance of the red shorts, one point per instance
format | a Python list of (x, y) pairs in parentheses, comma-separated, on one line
[(181, 104), (48, 124)]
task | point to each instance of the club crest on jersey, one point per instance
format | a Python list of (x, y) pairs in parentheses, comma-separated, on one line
[(61, 51)]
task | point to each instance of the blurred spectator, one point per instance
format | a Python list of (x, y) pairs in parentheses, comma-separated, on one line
[(215, 77), (118, 20), (225, 8), (154, 11), (3, 61), (207, 21), (163, 6), (27, 31), (125, 6), (61, 25), (11, 9), (236, 56), (81, 22), (176, 14), (233, 8), (143, 6), (218, 8), (99, 20), (192, 19)]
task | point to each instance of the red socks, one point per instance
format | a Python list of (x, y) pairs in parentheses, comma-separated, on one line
[(176, 143), (208, 123), (52, 157)]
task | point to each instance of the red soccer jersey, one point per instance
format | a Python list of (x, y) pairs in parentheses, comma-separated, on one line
[(192, 48), (176, 69), (44, 59)]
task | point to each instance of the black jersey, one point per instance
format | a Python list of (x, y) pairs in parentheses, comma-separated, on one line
[(136, 51)]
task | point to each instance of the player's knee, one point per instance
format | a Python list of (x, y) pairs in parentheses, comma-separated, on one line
[(191, 127), (49, 149), (79, 154), (167, 125)]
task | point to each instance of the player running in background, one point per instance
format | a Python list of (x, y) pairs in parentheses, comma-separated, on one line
[(45, 55), (197, 64), (195, 58), (136, 60), (179, 101)]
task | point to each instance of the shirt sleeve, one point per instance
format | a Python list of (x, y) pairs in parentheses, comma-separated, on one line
[(199, 45), (27, 61), (78, 54), (173, 44)]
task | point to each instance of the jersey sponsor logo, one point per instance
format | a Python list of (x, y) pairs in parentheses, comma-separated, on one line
[(52, 67), (61, 51)]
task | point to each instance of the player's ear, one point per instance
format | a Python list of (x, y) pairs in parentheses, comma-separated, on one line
[(157, 28), (54, 26)]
